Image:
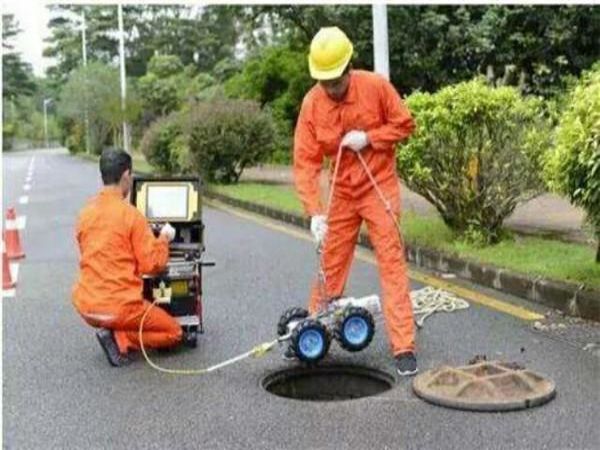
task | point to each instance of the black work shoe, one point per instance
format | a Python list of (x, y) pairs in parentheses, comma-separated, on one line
[(107, 341), (406, 364), (289, 355)]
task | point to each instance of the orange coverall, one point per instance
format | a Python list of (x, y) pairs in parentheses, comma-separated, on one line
[(117, 247), (373, 105)]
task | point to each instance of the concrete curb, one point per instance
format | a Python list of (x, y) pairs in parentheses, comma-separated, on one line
[(570, 298)]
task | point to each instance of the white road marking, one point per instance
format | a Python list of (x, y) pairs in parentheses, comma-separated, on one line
[(24, 199), (21, 222), (27, 187)]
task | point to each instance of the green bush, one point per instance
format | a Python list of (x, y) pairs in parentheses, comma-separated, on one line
[(161, 144), (277, 77), (573, 167), (75, 141), (225, 136), (475, 154)]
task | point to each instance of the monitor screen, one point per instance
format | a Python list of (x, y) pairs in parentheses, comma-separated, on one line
[(168, 202)]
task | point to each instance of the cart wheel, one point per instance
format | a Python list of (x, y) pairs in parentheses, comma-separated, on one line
[(287, 317), (355, 330), (310, 341), (191, 339)]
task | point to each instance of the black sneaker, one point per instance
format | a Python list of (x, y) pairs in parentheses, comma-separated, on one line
[(107, 341), (406, 364), (289, 355)]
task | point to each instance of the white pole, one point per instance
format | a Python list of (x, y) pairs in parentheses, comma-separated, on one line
[(84, 55), (123, 83), (380, 40), (46, 122), (83, 39)]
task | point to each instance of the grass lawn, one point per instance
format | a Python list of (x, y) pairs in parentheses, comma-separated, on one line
[(530, 255), (139, 162)]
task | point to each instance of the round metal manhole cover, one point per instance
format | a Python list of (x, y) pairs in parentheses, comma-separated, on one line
[(484, 386), (328, 383)]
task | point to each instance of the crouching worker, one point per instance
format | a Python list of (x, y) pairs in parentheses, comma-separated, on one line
[(117, 246)]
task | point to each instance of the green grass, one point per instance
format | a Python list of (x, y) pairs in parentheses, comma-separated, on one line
[(139, 162), (530, 255), (282, 197)]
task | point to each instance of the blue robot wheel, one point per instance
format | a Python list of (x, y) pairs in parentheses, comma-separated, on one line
[(355, 330), (310, 341)]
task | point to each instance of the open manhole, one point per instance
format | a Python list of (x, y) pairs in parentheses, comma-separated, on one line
[(328, 383), (484, 386)]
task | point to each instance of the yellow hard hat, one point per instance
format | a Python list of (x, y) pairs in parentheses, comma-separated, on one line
[(330, 53)]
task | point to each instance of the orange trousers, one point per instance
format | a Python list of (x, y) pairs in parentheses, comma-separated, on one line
[(160, 329), (345, 219)]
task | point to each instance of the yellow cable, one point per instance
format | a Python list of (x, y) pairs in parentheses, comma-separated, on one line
[(257, 351)]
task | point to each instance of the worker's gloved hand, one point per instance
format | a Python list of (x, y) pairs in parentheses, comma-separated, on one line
[(168, 231), (355, 140), (318, 227)]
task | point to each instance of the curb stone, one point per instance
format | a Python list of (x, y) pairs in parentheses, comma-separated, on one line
[(570, 298)]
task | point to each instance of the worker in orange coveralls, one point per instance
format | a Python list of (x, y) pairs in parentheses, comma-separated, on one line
[(362, 112), (117, 246)]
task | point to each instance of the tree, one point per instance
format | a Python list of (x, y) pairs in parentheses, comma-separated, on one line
[(573, 167), (200, 36), (475, 154), (65, 42), (17, 76), (431, 46), (95, 90), (276, 77)]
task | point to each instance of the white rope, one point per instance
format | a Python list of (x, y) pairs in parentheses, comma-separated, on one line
[(429, 300)]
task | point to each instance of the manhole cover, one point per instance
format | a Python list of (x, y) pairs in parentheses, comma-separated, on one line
[(484, 386), (328, 383)]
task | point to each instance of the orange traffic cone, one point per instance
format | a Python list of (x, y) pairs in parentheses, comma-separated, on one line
[(13, 242), (7, 282)]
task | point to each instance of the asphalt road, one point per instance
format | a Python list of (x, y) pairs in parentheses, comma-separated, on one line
[(60, 393)]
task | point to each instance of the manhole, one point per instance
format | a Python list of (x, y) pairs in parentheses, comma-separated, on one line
[(484, 386), (328, 383)]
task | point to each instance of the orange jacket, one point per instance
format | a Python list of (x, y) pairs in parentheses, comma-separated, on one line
[(117, 246), (372, 105)]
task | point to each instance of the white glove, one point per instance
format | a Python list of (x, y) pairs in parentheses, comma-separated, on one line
[(356, 140), (318, 227), (168, 231)]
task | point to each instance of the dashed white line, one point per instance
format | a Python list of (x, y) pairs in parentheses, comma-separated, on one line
[(21, 222), (23, 199), (27, 187)]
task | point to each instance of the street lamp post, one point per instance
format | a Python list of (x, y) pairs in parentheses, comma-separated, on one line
[(380, 39), (47, 101), (84, 56), (123, 79)]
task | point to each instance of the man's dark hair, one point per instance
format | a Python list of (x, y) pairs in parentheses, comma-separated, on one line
[(113, 163)]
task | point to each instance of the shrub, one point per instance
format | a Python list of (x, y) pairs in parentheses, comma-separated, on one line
[(276, 77), (573, 167), (475, 154), (225, 136), (75, 141), (160, 141)]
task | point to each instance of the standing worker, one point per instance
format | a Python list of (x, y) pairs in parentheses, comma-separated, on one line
[(355, 111), (117, 246)]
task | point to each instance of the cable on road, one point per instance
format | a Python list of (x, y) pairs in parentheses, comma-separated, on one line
[(256, 352)]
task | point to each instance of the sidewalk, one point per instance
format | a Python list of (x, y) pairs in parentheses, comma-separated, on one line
[(548, 214)]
